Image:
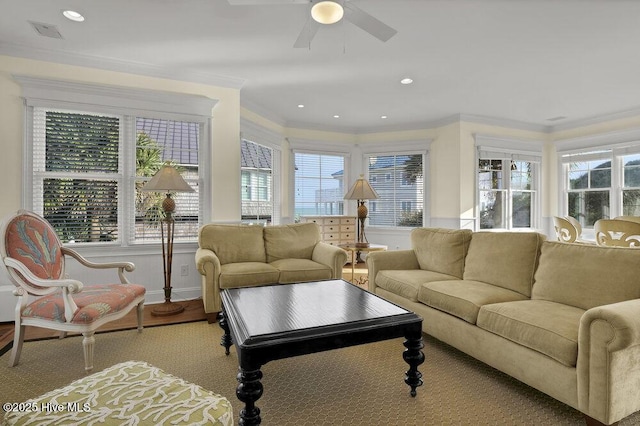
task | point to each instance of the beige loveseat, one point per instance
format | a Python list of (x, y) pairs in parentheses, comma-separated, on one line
[(562, 318), (230, 256)]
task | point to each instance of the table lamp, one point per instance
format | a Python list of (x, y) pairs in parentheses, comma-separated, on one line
[(361, 191), (168, 180)]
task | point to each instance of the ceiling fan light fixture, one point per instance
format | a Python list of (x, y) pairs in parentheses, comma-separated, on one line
[(327, 12)]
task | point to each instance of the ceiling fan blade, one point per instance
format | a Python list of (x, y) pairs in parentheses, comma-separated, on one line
[(368, 23), (307, 34)]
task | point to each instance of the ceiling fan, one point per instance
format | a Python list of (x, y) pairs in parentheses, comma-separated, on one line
[(327, 12)]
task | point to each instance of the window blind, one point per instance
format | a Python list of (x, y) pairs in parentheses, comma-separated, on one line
[(258, 183), (176, 142), (398, 180), (77, 173), (319, 184)]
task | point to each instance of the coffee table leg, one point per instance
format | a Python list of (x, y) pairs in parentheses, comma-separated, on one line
[(414, 357), (226, 337), (249, 391)]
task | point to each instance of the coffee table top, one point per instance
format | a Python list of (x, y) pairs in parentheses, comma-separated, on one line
[(262, 312)]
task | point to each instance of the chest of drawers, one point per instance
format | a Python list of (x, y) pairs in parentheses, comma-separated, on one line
[(334, 230)]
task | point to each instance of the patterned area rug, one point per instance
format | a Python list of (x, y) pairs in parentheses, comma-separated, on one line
[(361, 385)]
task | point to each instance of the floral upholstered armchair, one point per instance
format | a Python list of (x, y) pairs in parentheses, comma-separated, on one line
[(35, 262)]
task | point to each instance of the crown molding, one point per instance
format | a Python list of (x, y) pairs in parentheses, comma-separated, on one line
[(628, 113), (110, 64), (501, 122), (261, 111)]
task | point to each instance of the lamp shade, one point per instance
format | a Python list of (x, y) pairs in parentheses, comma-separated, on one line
[(167, 179), (361, 190), (327, 12)]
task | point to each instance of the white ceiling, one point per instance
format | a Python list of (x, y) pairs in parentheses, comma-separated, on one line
[(522, 61)]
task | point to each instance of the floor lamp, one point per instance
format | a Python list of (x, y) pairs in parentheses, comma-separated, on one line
[(167, 180), (361, 191)]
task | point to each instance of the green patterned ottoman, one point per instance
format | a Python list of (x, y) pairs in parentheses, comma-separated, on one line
[(131, 393)]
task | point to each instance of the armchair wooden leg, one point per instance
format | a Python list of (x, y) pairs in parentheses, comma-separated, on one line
[(140, 314), (18, 339), (87, 344)]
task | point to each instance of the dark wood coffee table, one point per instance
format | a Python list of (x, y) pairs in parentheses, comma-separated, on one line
[(280, 321)]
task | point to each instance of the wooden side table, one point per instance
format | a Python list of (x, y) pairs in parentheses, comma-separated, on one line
[(351, 247)]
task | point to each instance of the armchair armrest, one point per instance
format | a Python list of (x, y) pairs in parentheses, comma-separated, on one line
[(381, 260), (208, 264), (121, 266), (332, 256), (68, 286), (608, 367)]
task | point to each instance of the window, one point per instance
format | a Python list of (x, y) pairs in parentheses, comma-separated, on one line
[(319, 184), (159, 141), (631, 185), (589, 187), (507, 193), (508, 181), (77, 175), (602, 183), (399, 181), (257, 182), (79, 178), (86, 162)]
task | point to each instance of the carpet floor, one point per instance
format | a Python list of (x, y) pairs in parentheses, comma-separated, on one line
[(361, 385)]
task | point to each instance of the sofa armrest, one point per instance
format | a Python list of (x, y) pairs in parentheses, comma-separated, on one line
[(332, 256), (382, 260), (208, 265), (608, 361)]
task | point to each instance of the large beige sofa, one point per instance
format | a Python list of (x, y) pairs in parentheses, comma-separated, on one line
[(230, 256), (562, 318)]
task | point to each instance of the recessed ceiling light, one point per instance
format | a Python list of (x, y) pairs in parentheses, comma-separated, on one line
[(383, 116), (406, 80), (73, 15), (300, 106), (336, 116)]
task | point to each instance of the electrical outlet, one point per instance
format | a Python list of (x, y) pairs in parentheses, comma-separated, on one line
[(184, 270)]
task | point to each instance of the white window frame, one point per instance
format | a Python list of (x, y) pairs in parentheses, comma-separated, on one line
[(126, 103), (499, 148), (308, 146), (597, 148), (257, 134), (400, 148)]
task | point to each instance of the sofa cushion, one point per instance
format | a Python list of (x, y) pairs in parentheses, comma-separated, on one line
[(441, 250), (463, 298), (300, 270), (581, 275), (295, 241), (546, 327), (247, 274), (505, 259), (233, 243), (406, 283)]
